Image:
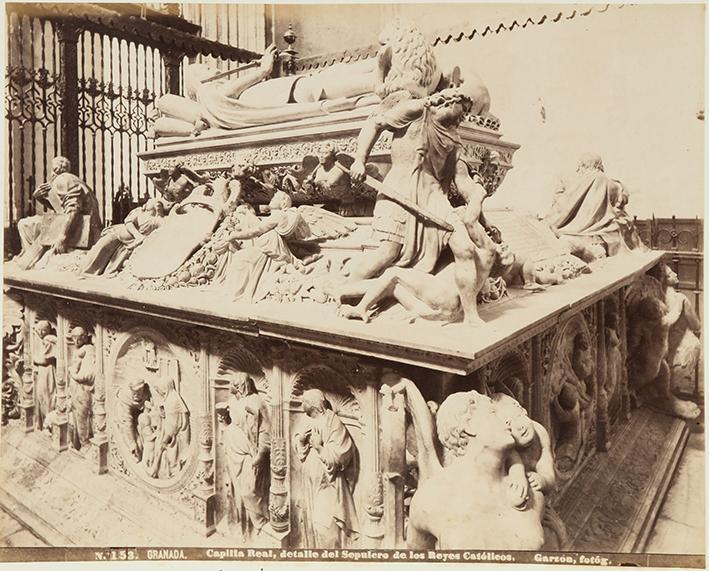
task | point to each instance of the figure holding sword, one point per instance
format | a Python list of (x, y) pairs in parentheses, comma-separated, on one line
[(413, 218)]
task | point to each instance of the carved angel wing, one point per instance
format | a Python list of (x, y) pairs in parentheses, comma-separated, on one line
[(326, 225)]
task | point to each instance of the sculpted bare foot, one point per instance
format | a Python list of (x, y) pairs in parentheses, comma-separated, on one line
[(682, 408), (351, 312), (474, 320), (533, 286)]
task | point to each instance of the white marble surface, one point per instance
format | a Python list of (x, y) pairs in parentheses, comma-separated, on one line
[(451, 348)]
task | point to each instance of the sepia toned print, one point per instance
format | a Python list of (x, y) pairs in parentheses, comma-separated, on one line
[(282, 288)]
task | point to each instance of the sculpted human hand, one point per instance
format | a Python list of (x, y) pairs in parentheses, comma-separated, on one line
[(535, 480), (42, 190), (304, 438), (60, 246), (268, 59), (220, 247), (357, 172), (316, 440)]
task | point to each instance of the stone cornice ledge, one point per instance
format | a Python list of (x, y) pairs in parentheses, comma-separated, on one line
[(452, 348)]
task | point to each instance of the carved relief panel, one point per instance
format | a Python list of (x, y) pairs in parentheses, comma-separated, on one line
[(243, 443), (326, 439), (13, 347), (615, 382), (569, 390), (510, 375), (153, 398)]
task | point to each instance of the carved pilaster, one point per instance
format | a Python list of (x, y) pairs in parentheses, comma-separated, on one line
[(99, 442), (172, 61), (205, 494), (279, 497), (535, 405), (393, 463), (602, 424), (68, 36), (374, 508), (623, 335), (27, 398), (60, 429)]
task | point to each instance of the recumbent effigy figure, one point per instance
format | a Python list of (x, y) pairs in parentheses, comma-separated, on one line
[(71, 220), (255, 99), (486, 507)]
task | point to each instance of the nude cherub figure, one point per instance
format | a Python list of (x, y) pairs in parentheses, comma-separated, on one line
[(464, 502), (532, 460), (147, 435)]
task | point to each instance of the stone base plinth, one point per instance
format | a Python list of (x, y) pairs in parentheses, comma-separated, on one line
[(27, 416)]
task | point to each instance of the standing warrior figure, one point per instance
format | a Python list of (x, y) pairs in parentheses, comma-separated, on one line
[(44, 362), (81, 374), (74, 221), (424, 165), (328, 453)]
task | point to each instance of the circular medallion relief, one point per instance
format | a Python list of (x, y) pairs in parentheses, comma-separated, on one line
[(151, 421)]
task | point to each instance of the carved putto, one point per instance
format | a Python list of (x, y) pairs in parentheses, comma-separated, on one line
[(649, 322), (485, 470)]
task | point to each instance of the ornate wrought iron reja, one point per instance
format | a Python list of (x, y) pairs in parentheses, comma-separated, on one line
[(32, 107), (83, 87)]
